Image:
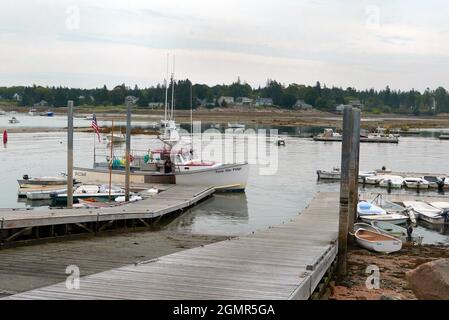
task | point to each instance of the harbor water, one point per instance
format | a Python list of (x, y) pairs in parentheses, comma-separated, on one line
[(269, 199)]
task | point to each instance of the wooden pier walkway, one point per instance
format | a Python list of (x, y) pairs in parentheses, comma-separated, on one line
[(15, 223), (283, 262)]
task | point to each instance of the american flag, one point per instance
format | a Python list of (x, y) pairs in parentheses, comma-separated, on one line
[(95, 126)]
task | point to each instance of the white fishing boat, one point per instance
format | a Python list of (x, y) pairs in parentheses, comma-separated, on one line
[(365, 208), (376, 241), (416, 183), (428, 213), (394, 218), (392, 182), (32, 112), (2, 112), (116, 138), (334, 174)]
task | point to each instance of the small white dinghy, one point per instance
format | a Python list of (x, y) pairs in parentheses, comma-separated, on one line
[(376, 241), (366, 208), (415, 183), (393, 218), (391, 229), (392, 182), (427, 213)]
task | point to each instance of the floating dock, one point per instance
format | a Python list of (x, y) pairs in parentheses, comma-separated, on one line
[(29, 223), (362, 139), (284, 262)]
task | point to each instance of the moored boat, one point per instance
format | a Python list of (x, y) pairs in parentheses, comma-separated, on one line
[(392, 182), (416, 183), (376, 241), (390, 228), (365, 208), (13, 120), (393, 218), (428, 213), (42, 181)]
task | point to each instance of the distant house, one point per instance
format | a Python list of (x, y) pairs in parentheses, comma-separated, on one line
[(244, 101), (155, 105), (263, 102), (356, 104), (301, 105), (17, 97), (206, 102), (340, 108), (41, 103), (225, 100)]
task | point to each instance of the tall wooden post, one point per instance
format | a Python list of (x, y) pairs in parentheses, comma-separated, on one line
[(128, 147), (344, 190), (354, 169), (70, 154)]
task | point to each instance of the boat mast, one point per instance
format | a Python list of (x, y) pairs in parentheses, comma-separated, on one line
[(172, 112), (166, 91), (191, 117)]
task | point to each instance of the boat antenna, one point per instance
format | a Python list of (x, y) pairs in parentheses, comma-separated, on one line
[(166, 90), (191, 116), (172, 116)]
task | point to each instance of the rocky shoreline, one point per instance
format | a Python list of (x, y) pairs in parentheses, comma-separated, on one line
[(392, 267)]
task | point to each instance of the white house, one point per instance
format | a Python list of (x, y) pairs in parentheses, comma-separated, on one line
[(226, 100), (17, 97), (340, 108), (300, 104), (261, 102), (243, 101)]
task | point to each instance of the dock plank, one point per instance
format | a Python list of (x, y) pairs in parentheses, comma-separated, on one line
[(282, 262)]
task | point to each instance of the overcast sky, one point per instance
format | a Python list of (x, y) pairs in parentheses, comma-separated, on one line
[(88, 43)]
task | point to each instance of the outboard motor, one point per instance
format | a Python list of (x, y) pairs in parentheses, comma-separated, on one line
[(25, 177), (440, 184), (445, 215)]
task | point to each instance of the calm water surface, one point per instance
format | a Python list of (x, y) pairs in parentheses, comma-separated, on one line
[(268, 200)]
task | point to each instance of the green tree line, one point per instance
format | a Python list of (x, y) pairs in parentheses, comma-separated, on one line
[(285, 96)]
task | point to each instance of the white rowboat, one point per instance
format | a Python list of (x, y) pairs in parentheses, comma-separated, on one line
[(376, 241)]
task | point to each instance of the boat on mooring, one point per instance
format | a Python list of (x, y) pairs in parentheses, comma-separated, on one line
[(13, 120), (377, 241), (42, 181)]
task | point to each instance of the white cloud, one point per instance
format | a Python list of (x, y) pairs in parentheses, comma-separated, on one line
[(216, 41)]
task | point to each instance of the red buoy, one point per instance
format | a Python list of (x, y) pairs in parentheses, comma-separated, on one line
[(5, 137)]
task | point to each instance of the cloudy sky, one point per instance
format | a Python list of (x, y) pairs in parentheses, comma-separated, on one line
[(88, 43)]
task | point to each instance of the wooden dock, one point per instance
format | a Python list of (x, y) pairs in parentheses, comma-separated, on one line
[(283, 262), (16, 224), (362, 139)]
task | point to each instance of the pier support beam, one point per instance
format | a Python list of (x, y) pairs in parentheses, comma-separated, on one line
[(354, 170), (349, 182), (128, 101), (70, 154)]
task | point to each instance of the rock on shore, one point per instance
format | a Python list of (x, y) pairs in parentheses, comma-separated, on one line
[(430, 281)]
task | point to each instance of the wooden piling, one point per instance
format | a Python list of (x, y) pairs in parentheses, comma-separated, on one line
[(344, 190), (354, 169), (128, 146), (70, 154)]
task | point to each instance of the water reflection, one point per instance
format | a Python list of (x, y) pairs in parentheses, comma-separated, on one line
[(221, 213)]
